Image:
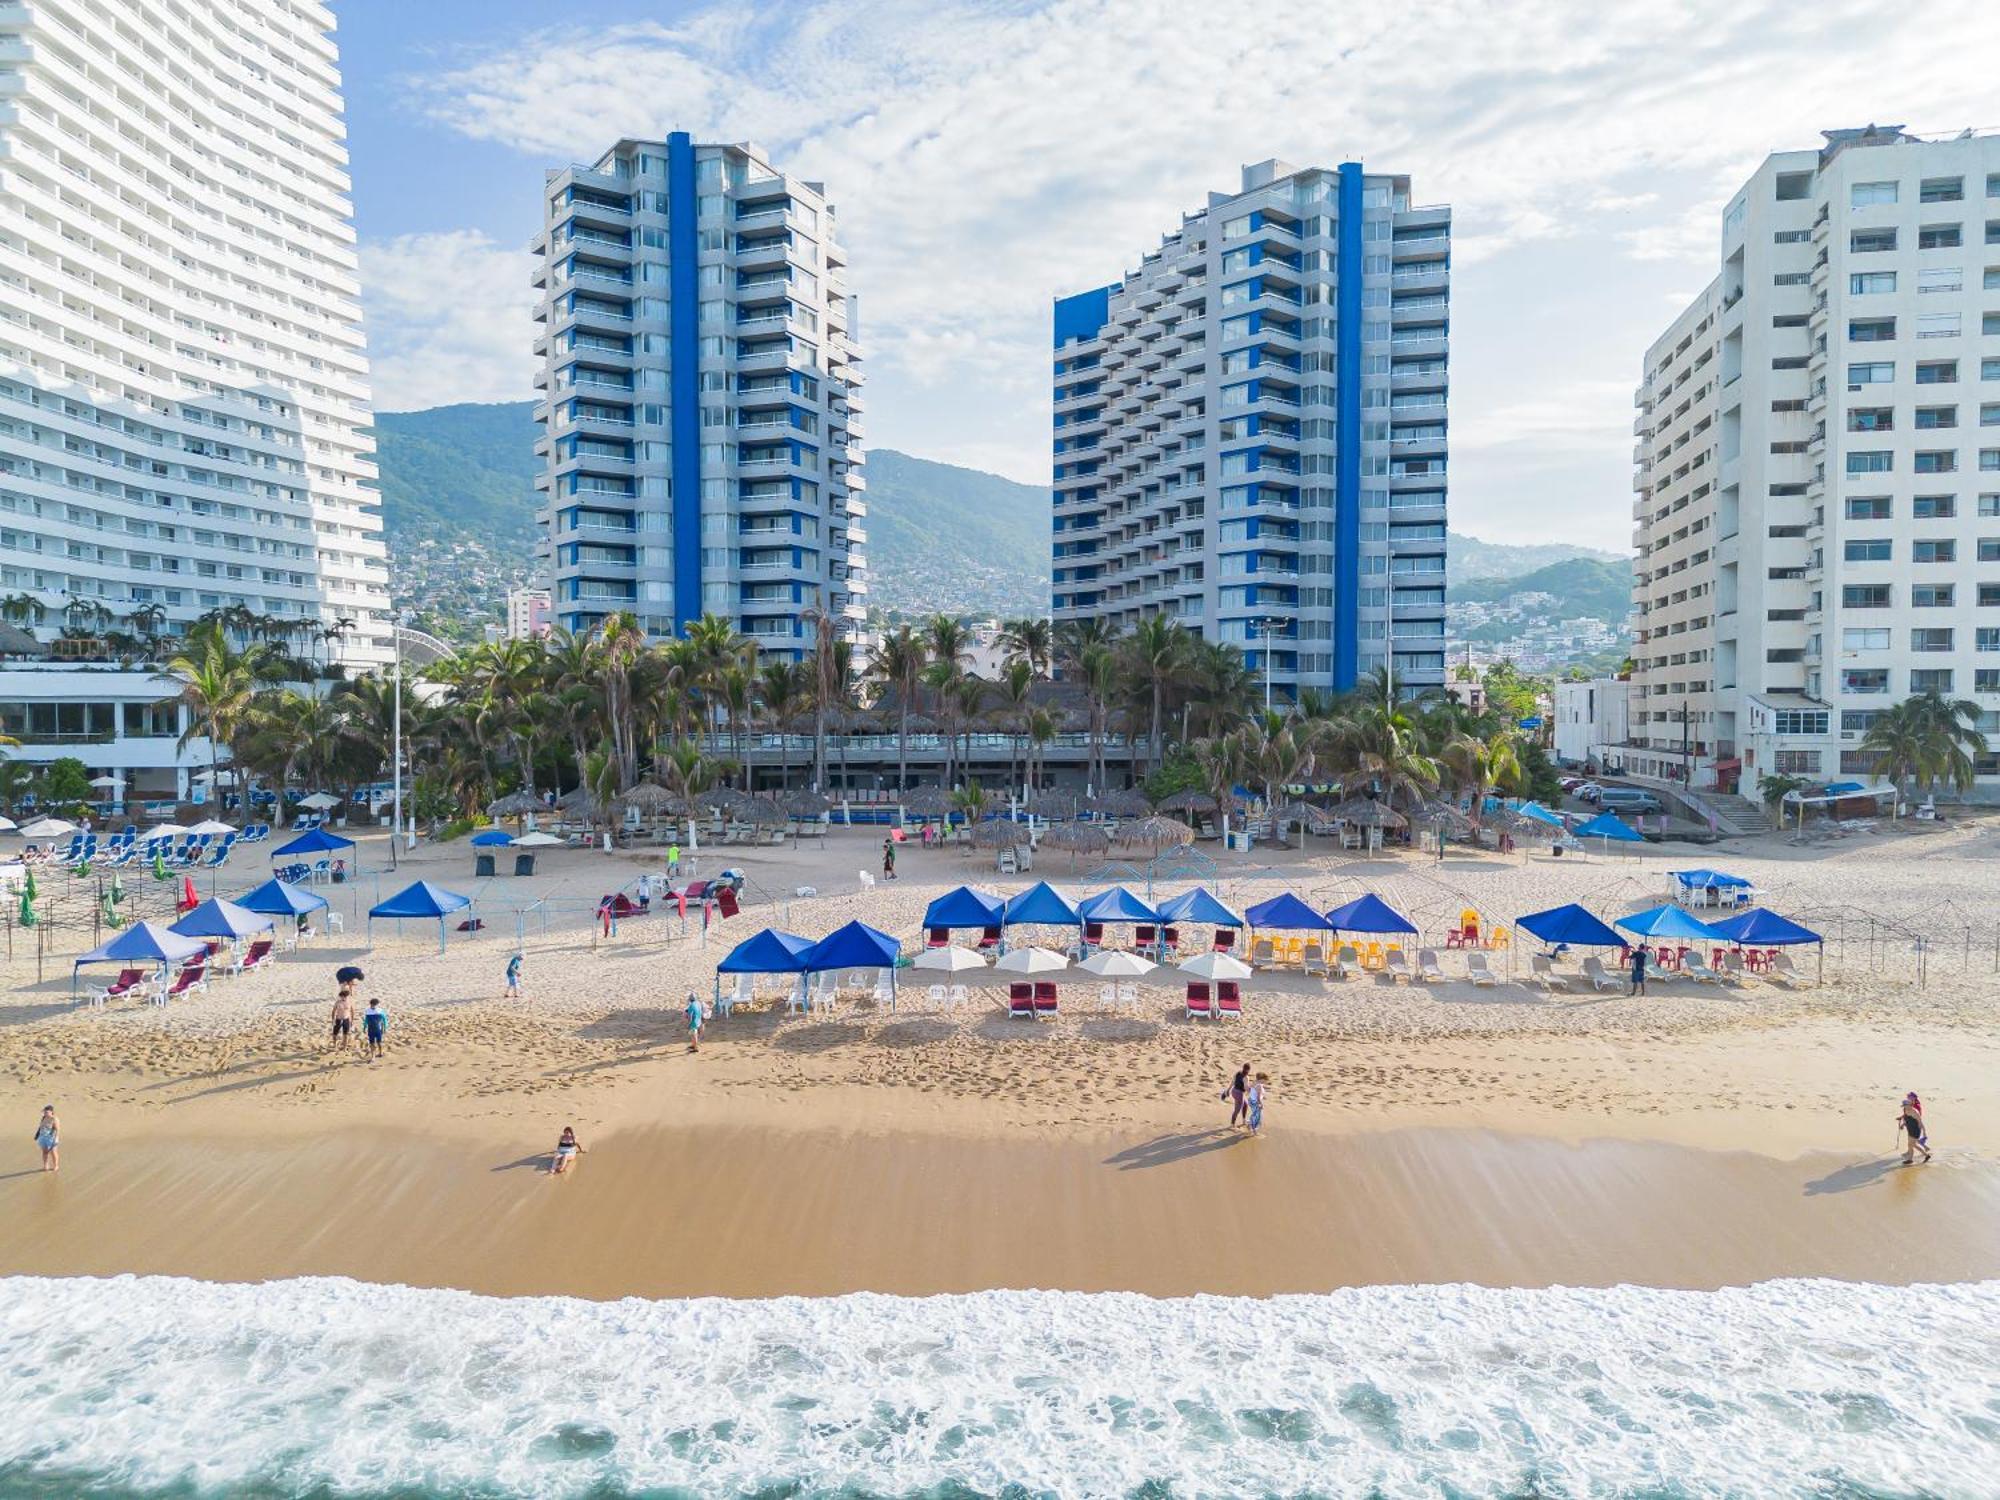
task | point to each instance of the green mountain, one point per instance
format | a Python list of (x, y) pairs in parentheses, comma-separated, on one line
[(1468, 558), (1581, 586), (961, 541)]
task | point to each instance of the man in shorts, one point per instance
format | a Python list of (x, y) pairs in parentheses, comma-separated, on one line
[(374, 1028), (343, 1019)]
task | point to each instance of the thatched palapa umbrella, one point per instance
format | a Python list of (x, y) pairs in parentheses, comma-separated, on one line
[(1188, 802), (649, 798), (997, 833), (806, 804), (1362, 813), (1156, 833), (516, 805), (1129, 803), (1077, 838), (1057, 807), (928, 802)]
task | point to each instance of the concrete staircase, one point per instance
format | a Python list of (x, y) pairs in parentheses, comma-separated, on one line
[(1733, 814)]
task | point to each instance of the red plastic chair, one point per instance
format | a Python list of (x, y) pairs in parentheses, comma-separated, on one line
[(937, 937), (1045, 997), (1145, 937), (1197, 1000), (1228, 998), (1171, 936), (1021, 1000)]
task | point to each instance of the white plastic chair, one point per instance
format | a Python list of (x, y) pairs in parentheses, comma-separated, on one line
[(936, 994), (958, 996), (1128, 992), (1107, 994), (334, 921)]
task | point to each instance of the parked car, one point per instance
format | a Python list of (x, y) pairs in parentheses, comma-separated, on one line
[(1586, 791), (1629, 799)]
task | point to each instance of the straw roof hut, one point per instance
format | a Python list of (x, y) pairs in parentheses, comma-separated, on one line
[(1315, 819), (764, 812), (998, 833), (515, 805), (1361, 813), (648, 797), (928, 801), (806, 803), (1188, 802), (1156, 833), (722, 799), (1078, 838), (1129, 803)]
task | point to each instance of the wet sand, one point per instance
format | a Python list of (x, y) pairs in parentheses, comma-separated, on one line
[(760, 1211)]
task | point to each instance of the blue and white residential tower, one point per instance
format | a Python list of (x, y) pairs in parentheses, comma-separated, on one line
[(699, 404), (1250, 431)]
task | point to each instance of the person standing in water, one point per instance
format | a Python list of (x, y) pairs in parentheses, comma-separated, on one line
[(48, 1135), (1911, 1120)]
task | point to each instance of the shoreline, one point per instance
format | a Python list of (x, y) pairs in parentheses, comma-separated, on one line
[(763, 1211)]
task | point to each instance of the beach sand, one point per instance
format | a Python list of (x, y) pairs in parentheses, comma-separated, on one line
[(1692, 1137)]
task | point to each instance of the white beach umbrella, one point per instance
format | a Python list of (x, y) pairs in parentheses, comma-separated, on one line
[(1031, 961), (107, 781), (319, 801), (1215, 966), (47, 828), (211, 825), (1116, 963), (951, 960), (8, 825), (161, 831), (535, 841)]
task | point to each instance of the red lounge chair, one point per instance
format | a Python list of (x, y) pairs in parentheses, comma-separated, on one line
[(1225, 939), (1093, 933), (1228, 999), (193, 977), (1468, 936), (937, 937), (726, 902), (1454, 937), (1021, 1000), (989, 937), (1144, 937), (1045, 997), (258, 955), (1197, 1000), (127, 981), (1171, 937)]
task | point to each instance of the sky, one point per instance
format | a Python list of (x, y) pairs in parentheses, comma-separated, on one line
[(987, 156)]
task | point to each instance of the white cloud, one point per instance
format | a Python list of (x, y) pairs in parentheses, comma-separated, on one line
[(449, 318), (986, 157)]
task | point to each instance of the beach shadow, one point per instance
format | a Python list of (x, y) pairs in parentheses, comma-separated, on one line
[(1164, 1150), (28, 1172), (914, 1032), (1119, 1028), (23, 1015), (299, 1076), (541, 1161), (1859, 1174), (815, 1036)]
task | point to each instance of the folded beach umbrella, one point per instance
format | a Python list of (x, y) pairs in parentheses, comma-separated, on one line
[(1286, 913), (1031, 961), (277, 898), (964, 907), (1668, 922), (769, 952), (1116, 905), (1763, 929), (1369, 913), (1116, 963), (1041, 904), (490, 838), (224, 919), (1215, 966), (1198, 905), (952, 959), (1570, 924)]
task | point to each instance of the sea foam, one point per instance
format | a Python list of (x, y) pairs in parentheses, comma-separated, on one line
[(144, 1386)]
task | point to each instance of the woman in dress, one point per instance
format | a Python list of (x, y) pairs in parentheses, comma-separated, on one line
[(48, 1135)]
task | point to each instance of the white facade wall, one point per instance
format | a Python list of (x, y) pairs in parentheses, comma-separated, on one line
[(184, 403), (110, 719), (1593, 723)]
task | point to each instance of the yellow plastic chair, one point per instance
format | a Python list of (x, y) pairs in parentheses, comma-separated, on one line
[(1499, 937), (1372, 959)]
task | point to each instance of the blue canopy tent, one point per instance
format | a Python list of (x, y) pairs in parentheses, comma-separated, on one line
[(1287, 913), (142, 945), (312, 841), (222, 919), (1766, 929), (1198, 905), (1708, 879), (492, 838), (1115, 905), (1668, 922), (1569, 926), (418, 899), (1609, 826), (1369, 913), (963, 908), (278, 898), (1041, 905), (769, 952), (855, 946)]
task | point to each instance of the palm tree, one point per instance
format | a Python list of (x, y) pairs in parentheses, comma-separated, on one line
[(1222, 764), (22, 609), (783, 687), (1925, 740), (826, 683), (1016, 687), (1377, 738), (1278, 751), (1219, 685), (1030, 640), (899, 669), (1155, 652), (1041, 729), (619, 645), (1479, 765), (216, 684), (689, 772)]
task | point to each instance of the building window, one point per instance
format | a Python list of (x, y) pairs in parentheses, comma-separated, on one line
[(1873, 372), (1938, 326), (1934, 550), (1941, 190), (1865, 596), (1934, 507), (1870, 461), (1989, 459), (1930, 418), (1930, 679), (1937, 372), (1871, 419), (1871, 241), (1931, 638), (1868, 194), (1989, 549), (1867, 549), (1937, 461), (1870, 330), (1986, 638), (1941, 279), (1940, 236), (1871, 283), (1864, 639), (1868, 508), (1989, 596), (1858, 720), (1795, 762), (1864, 680), (1799, 721), (1986, 679)]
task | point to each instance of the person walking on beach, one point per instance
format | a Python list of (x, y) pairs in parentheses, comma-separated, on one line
[(696, 1015), (568, 1149), (343, 1019), (374, 1028), (1638, 971), (888, 859), (48, 1135), (1911, 1121), (514, 977), (1238, 1088), (1254, 1111), (673, 862)]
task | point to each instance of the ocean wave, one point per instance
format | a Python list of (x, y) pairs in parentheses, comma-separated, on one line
[(154, 1386)]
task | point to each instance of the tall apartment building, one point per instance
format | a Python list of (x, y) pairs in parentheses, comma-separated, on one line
[(1818, 515), (1250, 431), (700, 407), (184, 405)]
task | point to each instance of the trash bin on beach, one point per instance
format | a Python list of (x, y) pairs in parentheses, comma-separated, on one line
[(524, 864), (482, 866)]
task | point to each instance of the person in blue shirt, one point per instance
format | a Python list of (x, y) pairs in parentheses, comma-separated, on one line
[(374, 1028), (514, 977), (696, 1015)]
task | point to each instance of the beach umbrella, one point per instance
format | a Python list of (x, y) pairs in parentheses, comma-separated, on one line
[(646, 796), (313, 841), (1362, 812), (764, 812), (319, 801), (951, 959), (1129, 803), (1057, 806), (161, 831), (211, 827), (855, 946), (998, 833), (516, 805), (927, 801), (1116, 905), (1198, 905), (1116, 963), (1031, 961), (964, 907), (26, 917), (1286, 913), (1188, 802), (1763, 929), (276, 898), (536, 840), (159, 865), (1667, 922), (1571, 925), (28, 886), (722, 799), (224, 919), (8, 825), (806, 803), (1078, 838), (1540, 814), (190, 898), (420, 899), (1154, 832), (47, 828), (1609, 827), (1369, 913), (1215, 966), (491, 838), (1715, 880), (106, 782)]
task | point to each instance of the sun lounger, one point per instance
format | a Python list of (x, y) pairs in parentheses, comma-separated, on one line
[(1395, 964), (1476, 969), (256, 956), (1198, 1003), (1003, 863), (127, 981), (1225, 939), (1021, 1000), (192, 977), (1695, 967), (1045, 997), (1428, 969), (958, 996), (1315, 960), (1599, 977), (1107, 994), (1345, 960), (1228, 999), (937, 937), (1542, 972), (989, 937), (1145, 937)]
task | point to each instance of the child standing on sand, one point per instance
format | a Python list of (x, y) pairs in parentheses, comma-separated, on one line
[(374, 1028), (1255, 1103), (696, 1015), (48, 1135), (343, 1019), (514, 977)]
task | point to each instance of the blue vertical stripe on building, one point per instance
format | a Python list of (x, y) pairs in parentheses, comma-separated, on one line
[(684, 348), (1347, 437)]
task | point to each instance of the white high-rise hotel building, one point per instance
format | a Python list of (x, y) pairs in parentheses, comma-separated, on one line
[(184, 406), (1250, 431), (1818, 469), (700, 402)]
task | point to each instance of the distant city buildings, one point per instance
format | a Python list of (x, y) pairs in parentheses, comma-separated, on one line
[(700, 402), (529, 614), (1817, 522), (1250, 430)]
